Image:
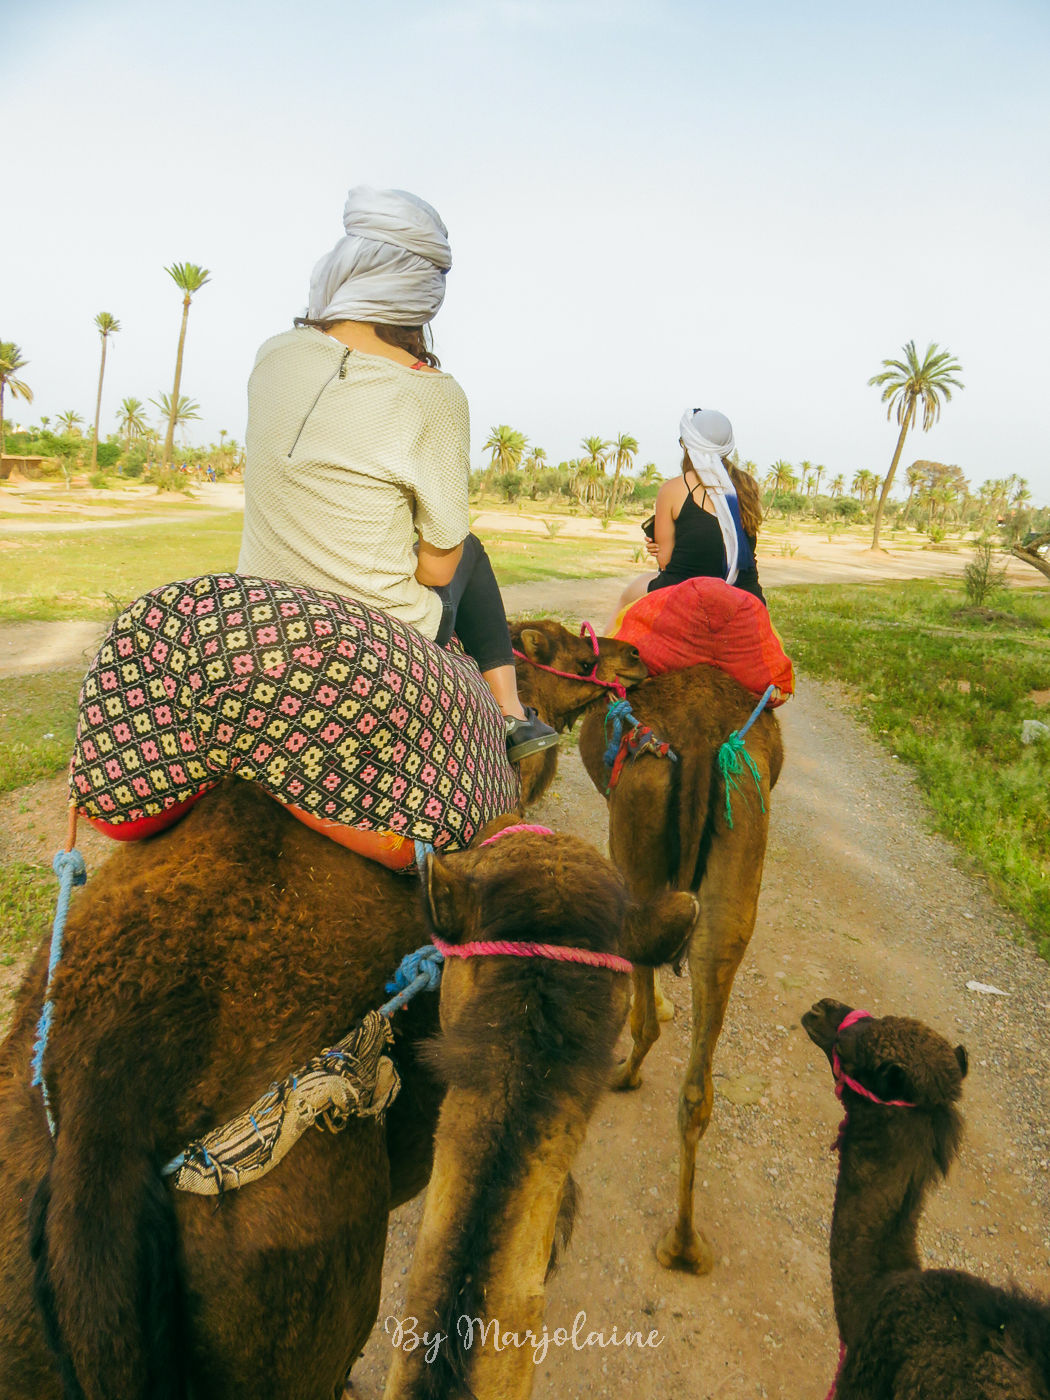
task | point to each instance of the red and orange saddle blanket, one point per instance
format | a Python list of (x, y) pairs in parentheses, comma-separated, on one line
[(706, 622), (360, 726)]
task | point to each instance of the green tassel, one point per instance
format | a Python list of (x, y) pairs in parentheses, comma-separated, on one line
[(731, 759)]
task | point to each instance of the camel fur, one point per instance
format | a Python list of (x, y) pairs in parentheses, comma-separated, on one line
[(938, 1333), (200, 966), (668, 828)]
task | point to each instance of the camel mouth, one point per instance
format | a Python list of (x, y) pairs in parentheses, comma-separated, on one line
[(821, 1023)]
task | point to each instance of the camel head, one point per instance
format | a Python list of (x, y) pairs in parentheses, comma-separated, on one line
[(893, 1057), (561, 699), (526, 1050)]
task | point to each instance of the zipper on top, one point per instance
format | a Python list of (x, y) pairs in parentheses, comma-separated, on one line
[(341, 372)]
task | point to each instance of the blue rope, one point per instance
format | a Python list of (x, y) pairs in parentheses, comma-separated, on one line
[(620, 713), (70, 868), (733, 756), (419, 972)]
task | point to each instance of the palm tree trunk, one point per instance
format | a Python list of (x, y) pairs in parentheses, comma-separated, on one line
[(169, 441), (611, 506), (98, 409), (889, 477), (907, 508), (3, 435)]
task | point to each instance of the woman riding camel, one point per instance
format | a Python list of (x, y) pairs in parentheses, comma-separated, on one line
[(707, 519), (357, 444)]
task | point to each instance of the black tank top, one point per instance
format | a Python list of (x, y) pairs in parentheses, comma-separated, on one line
[(699, 550)]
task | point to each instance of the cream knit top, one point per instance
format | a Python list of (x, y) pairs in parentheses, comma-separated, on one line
[(347, 455)]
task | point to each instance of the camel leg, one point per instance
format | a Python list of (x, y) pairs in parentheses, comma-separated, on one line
[(645, 1029), (728, 905)]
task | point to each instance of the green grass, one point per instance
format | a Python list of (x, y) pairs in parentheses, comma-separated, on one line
[(49, 577), (27, 907), (32, 707), (904, 648), (521, 558)]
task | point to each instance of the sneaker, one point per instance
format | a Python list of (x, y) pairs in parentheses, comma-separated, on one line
[(527, 736)]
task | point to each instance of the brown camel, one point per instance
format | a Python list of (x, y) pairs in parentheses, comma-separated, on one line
[(668, 827), (202, 965), (937, 1333)]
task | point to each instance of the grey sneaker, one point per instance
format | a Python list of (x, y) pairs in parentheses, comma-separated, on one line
[(527, 736)]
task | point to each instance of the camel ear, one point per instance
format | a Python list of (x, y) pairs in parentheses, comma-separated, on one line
[(447, 898), (890, 1082), (656, 932), (536, 646), (963, 1059)]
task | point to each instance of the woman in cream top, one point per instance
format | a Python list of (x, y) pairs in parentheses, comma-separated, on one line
[(357, 444)]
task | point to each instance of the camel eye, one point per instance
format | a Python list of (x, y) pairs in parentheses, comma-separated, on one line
[(588, 668)]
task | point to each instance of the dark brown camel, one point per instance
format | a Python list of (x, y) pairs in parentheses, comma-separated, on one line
[(668, 827), (199, 967), (937, 1333)]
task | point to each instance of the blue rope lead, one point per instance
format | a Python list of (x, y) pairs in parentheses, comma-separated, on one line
[(419, 972), (620, 713), (70, 868), (733, 756)]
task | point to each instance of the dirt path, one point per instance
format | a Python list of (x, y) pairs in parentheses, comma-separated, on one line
[(861, 903)]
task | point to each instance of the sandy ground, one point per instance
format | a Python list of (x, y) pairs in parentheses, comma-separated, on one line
[(859, 902)]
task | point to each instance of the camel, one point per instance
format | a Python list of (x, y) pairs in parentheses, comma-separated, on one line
[(908, 1331), (668, 827), (210, 960)]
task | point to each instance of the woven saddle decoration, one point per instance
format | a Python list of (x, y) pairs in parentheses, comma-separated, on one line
[(352, 1079)]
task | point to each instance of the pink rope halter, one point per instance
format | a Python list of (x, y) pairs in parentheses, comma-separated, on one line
[(554, 952), (586, 630), (843, 1081)]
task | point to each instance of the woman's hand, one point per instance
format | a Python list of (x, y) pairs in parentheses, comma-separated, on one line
[(653, 548)]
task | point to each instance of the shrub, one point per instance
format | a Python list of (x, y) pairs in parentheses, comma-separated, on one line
[(510, 484), (981, 577), (108, 454), (99, 480), (848, 507)]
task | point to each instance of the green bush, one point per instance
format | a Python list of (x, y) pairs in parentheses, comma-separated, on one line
[(848, 507), (108, 454)]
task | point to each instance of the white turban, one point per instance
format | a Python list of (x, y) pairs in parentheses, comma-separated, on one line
[(708, 437), (390, 268)]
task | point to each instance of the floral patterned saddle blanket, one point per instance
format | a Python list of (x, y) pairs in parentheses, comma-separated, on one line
[(359, 725)]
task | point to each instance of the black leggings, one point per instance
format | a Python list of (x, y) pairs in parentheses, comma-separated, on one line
[(472, 607)]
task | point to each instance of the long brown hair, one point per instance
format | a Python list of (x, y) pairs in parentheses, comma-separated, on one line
[(414, 340), (748, 496)]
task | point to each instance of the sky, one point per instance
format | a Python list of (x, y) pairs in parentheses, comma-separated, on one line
[(651, 206)]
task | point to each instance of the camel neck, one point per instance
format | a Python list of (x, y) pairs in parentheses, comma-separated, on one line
[(878, 1204)]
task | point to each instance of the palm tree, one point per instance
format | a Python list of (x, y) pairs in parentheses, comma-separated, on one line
[(905, 383), (805, 470), (597, 450), (624, 448), (106, 325), (507, 447), (837, 486), (131, 422), (818, 472), (178, 413), (11, 362), (863, 483), (189, 278), (781, 477), (68, 422), (649, 476), (914, 476)]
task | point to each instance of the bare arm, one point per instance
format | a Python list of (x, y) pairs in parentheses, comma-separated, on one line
[(435, 567), (663, 545)]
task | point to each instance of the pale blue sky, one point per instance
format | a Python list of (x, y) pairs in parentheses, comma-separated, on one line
[(650, 205)]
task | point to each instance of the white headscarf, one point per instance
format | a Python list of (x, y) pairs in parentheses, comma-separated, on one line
[(708, 437), (390, 268)]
